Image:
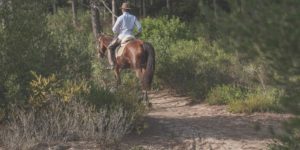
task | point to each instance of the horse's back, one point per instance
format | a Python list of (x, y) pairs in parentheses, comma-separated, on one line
[(134, 53)]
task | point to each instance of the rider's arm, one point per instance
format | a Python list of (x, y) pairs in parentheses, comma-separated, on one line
[(138, 26), (116, 27)]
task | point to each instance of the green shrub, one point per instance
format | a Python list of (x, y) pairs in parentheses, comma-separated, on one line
[(194, 67), (25, 46), (259, 100), (163, 28), (64, 109), (72, 43), (161, 33), (289, 140), (224, 94), (246, 100)]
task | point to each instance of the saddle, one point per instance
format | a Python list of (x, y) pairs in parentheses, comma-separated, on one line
[(120, 49)]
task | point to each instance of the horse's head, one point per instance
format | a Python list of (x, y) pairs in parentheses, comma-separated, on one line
[(102, 46)]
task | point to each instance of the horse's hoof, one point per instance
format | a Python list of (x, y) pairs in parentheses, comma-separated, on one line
[(149, 105)]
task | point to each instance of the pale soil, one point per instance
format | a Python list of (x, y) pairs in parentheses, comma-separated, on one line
[(174, 124)]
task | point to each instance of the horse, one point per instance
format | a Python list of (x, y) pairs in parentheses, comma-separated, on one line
[(136, 55)]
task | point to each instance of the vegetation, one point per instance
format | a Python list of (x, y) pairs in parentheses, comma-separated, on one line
[(243, 54)]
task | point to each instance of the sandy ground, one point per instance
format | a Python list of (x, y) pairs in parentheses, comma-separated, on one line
[(175, 124)]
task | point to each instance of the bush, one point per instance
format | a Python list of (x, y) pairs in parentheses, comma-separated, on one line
[(25, 46), (72, 43), (42, 87), (224, 94), (61, 110), (290, 140), (58, 121), (194, 67), (246, 100), (64, 110), (161, 33), (259, 100)]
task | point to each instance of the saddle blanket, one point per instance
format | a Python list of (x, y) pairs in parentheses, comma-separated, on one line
[(124, 42)]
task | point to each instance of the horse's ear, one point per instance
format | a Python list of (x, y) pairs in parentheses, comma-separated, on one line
[(100, 35)]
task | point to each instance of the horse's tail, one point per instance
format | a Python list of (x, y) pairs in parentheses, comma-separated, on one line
[(150, 66)]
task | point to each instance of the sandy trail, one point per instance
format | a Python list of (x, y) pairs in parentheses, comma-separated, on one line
[(174, 124)]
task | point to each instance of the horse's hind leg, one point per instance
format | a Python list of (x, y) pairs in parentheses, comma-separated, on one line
[(139, 75), (146, 98), (117, 76)]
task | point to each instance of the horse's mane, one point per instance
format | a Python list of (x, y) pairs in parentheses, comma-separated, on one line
[(106, 38)]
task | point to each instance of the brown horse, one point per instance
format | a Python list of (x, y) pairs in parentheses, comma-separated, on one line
[(137, 55)]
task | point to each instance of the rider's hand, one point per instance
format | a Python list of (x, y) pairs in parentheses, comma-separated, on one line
[(138, 34)]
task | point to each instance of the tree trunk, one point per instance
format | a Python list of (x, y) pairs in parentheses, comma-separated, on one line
[(74, 12), (144, 8), (215, 9), (240, 4), (95, 19), (104, 14), (168, 5), (141, 7), (113, 5), (54, 9)]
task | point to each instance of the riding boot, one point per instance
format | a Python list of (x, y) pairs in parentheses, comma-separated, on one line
[(111, 52), (111, 58)]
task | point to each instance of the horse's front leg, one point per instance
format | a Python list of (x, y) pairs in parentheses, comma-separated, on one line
[(146, 99), (117, 75)]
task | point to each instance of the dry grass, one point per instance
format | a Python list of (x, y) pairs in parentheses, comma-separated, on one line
[(61, 121)]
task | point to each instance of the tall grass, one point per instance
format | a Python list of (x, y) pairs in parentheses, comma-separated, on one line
[(58, 121), (246, 100)]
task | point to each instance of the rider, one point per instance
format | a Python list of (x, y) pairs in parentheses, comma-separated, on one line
[(122, 28)]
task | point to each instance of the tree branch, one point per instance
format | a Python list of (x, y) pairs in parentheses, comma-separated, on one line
[(104, 4)]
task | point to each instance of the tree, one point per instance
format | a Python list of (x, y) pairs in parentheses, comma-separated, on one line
[(25, 46), (113, 7), (74, 12), (168, 4), (144, 8), (95, 18)]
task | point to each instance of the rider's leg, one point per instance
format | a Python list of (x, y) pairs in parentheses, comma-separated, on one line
[(111, 51)]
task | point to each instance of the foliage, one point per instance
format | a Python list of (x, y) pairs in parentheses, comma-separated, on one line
[(264, 30), (258, 100), (161, 33), (43, 87), (227, 52), (47, 44), (291, 139), (197, 66), (64, 121), (64, 110), (25, 46), (72, 43), (224, 94), (246, 100)]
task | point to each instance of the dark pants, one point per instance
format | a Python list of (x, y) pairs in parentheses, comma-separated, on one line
[(111, 50)]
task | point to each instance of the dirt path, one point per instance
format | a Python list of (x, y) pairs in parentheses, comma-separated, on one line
[(174, 124)]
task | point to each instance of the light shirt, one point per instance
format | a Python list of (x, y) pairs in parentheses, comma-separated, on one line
[(125, 24)]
